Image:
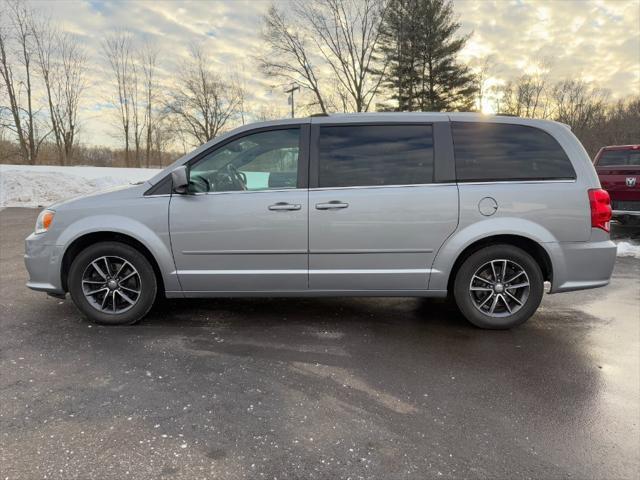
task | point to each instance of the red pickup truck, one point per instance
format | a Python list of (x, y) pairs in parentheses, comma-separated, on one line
[(618, 167)]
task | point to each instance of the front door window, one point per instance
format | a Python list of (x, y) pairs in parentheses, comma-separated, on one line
[(259, 161)]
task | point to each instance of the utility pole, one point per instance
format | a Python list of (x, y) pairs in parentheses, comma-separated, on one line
[(290, 99)]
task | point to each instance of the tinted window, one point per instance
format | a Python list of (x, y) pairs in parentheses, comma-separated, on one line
[(258, 161), (619, 157), (375, 155), (493, 151)]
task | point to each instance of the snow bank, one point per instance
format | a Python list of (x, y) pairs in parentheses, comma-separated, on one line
[(42, 185), (628, 249)]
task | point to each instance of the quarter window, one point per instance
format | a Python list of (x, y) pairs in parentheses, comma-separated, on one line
[(495, 151), (372, 155), (258, 161)]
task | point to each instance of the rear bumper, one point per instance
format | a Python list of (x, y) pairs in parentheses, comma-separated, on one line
[(43, 264), (581, 265)]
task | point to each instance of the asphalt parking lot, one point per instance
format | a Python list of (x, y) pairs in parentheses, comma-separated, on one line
[(317, 388)]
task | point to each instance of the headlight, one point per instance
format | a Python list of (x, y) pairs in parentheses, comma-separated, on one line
[(44, 221)]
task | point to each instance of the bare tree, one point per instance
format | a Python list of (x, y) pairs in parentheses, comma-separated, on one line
[(163, 136), (586, 109), (238, 79), (623, 123), (526, 96), (483, 69), (70, 85), (149, 59), (17, 53), (346, 32), (118, 50), (61, 61), (579, 105), (289, 58), (332, 39), (202, 102), (269, 111), (137, 112)]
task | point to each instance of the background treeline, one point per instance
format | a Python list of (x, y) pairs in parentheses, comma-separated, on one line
[(593, 117), (344, 55)]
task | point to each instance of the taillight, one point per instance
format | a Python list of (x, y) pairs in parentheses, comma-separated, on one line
[(600, 208)]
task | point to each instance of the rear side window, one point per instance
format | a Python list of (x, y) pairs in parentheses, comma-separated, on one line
[(371, 155), (619, 157), (496, 151)]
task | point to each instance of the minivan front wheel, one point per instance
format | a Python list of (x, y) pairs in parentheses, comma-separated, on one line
[(112, 283), (499, 287)]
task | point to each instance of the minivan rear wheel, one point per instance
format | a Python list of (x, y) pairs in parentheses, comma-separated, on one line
[(112, 283), (499, 287)]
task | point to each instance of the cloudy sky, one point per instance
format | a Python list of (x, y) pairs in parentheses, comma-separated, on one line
[(597, 40)]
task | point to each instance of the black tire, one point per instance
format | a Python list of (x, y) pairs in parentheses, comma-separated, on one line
[(477, 260), (147, 283)]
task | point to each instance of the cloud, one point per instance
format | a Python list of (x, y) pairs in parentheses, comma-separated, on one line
[(596, 40), (591, 39)]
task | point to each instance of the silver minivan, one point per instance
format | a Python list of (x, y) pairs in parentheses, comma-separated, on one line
[(485, 209)]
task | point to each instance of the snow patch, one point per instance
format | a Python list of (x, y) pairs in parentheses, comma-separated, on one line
[(628, 249), (42, 185)]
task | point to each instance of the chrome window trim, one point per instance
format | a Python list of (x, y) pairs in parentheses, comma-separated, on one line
[(359, 187), (244, 192), (491, 182), (228, 191)]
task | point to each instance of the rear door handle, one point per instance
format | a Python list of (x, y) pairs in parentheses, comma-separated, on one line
[(334, 204), (282, 206)]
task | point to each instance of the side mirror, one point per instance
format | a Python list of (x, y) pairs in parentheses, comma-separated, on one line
[(180, 180)]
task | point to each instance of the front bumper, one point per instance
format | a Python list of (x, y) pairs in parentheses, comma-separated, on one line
[(581, 265), (43, 262)]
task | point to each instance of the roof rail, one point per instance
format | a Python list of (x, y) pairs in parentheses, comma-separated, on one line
[(319, 115)]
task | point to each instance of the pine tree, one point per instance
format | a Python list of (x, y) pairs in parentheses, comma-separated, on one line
[(398, 32), (421, 48)]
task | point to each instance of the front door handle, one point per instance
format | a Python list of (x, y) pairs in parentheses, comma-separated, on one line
[(283, 206), (334, 204)]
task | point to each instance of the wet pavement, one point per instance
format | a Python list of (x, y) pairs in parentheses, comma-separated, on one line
[(317, 388)]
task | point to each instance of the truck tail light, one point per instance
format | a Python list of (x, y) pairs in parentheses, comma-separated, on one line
[(600, 208)]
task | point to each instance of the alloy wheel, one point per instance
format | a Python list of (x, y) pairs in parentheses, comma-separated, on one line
[(111, 284), (499, 288)]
